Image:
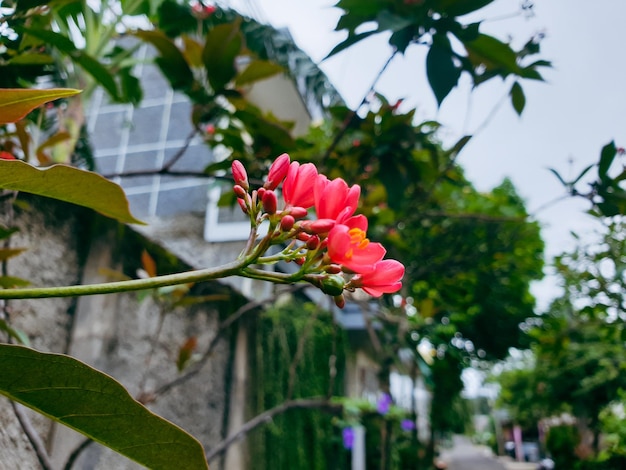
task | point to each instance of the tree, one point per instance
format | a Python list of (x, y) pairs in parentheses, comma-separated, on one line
[(577, 343), (404, 172)]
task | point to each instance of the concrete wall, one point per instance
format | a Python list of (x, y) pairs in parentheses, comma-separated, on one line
[(116, 333)]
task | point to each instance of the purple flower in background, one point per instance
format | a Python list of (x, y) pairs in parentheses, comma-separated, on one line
[(348, 437), (407, 425), (384, 403)]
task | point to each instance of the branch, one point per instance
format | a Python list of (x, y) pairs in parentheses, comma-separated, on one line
[(352, 115), (200, 275), (34, 438), (181, 151), (76, 453), (266, 416), (221, 330)]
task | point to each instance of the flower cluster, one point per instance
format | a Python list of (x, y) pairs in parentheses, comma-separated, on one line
[(331, 247)]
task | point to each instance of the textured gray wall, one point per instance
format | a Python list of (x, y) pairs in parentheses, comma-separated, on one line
[(115, 333)]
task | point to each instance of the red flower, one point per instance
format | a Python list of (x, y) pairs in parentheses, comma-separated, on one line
[(239, 174), (384, 279), (299, 184), (277, 172), (349, 247), (334, 199)]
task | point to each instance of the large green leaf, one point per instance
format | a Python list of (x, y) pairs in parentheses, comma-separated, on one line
[(69, 184), (221, 48), (94, 404), (172, 61), (493, 54), (15, 103), (442, 73), (258, 70)]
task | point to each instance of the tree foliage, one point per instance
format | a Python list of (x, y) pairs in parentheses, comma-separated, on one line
[(470, 256)]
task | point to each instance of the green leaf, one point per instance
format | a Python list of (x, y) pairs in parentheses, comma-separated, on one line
[(559, 177), (493, 54), (582, 173), (459, 7), (175, 19), (402, 39), (16, 103), (6, 253), (172, 61), (88, 63), (31, 59), (9, 282), (442, 74), (7, 232), (349, 41), (98, 71), (221, 48), (607, 155), (258, 70), (68, 184), (388, 21), (517, 98), (94, 404), (15, 333)]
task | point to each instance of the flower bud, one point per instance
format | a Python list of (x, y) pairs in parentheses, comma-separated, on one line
[(286, 223), (239, 191), (270, 201), (303, 237), (298, 212), (318, 226), (239, 174), (313, 242), (277, 172), (333, 269), (300, 261), (340, 301), (333, 284), (242, 204)]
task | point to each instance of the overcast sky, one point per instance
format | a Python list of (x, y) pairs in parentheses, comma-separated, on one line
[(567, 120)]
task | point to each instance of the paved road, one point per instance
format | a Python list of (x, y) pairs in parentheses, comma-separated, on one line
[(466, 456)]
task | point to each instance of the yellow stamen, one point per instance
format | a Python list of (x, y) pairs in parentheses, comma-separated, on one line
[(357, 237)]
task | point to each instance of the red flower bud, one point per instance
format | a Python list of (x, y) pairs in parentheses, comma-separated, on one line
[(277, 172), (298, 212), (239, 174), (270, 201), (239, 191), (300, 261), (340, 301), (242, 204), (333, 269), (6, 155), (318, 226), (313, 242), (286, 223), (303, 237)]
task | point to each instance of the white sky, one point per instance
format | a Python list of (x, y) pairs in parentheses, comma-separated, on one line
[(580, 108)]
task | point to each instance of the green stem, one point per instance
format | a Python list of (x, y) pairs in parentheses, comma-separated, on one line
[(200, 275), (260, 274)]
